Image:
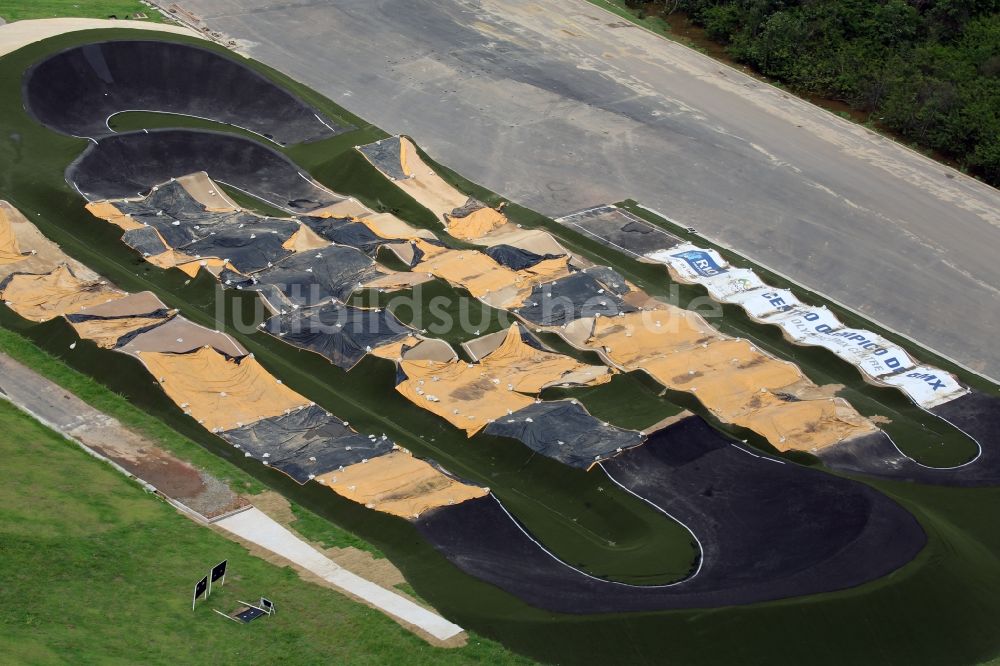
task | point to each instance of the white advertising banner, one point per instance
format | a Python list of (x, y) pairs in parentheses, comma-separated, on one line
[(724, 286), (766, 302), (927, 386), (691, 263), (872, 354), (875, 356)]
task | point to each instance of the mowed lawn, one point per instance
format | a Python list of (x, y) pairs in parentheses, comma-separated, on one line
[(95, 570), (19, 10)]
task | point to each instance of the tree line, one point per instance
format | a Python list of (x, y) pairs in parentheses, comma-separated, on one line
[(927, 69)]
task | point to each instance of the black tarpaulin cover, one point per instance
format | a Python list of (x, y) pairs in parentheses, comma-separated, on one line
[(576, 296), (306, 443), (565, 431), (311, 278), (346, 232), (515, 258), (340, 333)]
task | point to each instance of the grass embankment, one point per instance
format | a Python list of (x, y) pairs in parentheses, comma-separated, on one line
[(20, 10), (95, 570)]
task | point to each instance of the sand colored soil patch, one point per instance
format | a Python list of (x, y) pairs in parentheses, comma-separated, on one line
[(43, 255), (399, 484), (639, 336), (220, 393), (49, 295), (393, 351), (470, 395), (729, 376)]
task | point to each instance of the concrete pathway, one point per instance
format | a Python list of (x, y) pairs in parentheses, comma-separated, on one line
[(255, 526), (21, 33)]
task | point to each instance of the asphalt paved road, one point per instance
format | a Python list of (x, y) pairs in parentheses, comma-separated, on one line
[(561, 106)]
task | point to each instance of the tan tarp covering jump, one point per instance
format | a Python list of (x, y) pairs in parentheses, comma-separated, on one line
[(476, 224), (345, 209), (808, 425), (398, 280), (43, 255), (468, 398), (386, 225), (526, 369), (10, 250), (470, 395), (430, 349), (732, 378), (486, 279), (207, 192), (111, 321), (304, 240), (107, 332), (49, 295), (188, 264), (532, 240), (399, 484), (179, 336), (141, 303), (107, 211), (424, 185), (219, 393)]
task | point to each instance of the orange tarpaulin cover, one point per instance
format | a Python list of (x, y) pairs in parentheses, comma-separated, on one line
[(220, 393), (732, 378), (470, 395), (44, 297), (399, 484), (10, 251)]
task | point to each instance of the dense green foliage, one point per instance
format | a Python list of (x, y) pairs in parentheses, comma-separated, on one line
[(927, 69)]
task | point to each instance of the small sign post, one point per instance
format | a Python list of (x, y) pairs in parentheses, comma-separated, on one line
[(199, 589), (218, 573), (268, 605)]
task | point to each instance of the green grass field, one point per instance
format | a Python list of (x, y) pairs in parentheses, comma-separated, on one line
[(97, 571), (899, 619), (19, 10)]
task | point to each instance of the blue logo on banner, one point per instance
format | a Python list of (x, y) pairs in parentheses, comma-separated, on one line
[(702, 262)]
